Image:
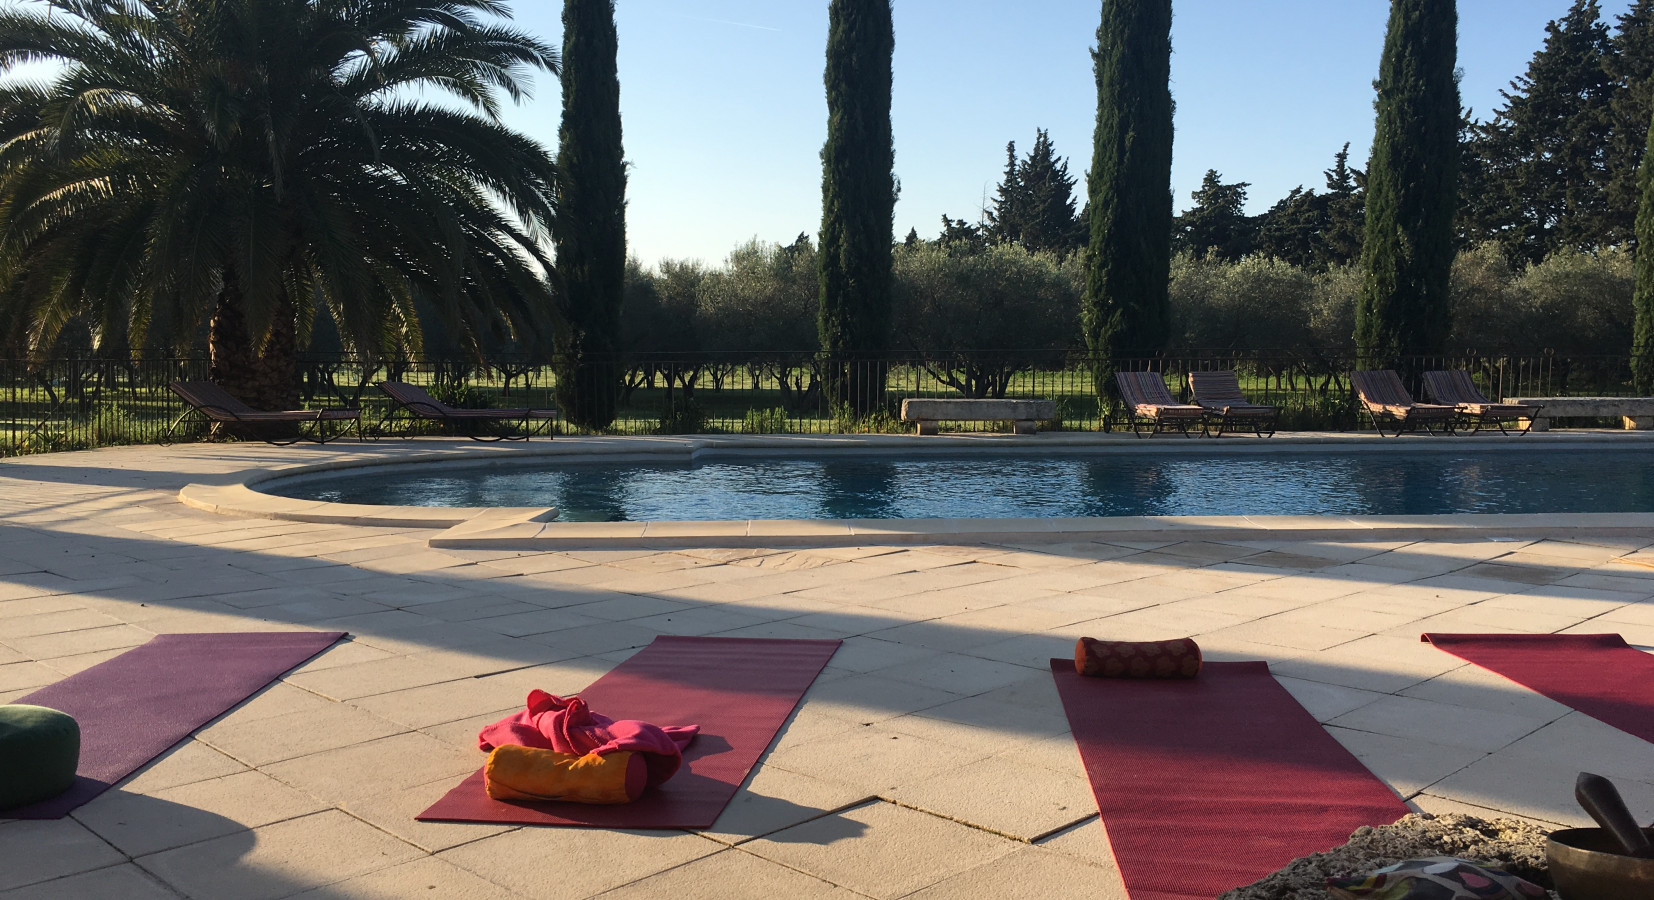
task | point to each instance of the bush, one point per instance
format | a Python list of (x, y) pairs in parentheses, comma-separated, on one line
[(681, 415), (763, 300), (983, 317), (765, 421), (1255, 304)]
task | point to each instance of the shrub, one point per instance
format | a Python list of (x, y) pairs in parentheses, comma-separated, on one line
[(765, 421)]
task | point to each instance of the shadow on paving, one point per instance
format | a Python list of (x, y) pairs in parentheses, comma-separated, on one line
[(528, 621), (531, 620)]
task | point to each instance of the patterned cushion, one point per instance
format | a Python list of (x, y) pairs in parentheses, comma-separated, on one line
[(1436, 878), (1137, 659)]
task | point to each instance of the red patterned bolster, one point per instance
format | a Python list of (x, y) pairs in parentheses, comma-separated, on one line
[(1137, 659)]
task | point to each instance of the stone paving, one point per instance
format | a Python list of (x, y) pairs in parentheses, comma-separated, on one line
[(931, 759)]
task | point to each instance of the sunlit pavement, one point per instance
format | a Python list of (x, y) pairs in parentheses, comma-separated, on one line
[(931, 759)]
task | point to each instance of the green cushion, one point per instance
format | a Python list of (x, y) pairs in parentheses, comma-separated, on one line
[(39, 750)]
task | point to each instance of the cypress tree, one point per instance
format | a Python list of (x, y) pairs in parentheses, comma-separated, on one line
[(1412, 188), (1126, 308), (858, 202), (590, 229), (1642, 332)]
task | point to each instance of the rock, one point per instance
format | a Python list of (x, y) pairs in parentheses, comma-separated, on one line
[(1514, 846)]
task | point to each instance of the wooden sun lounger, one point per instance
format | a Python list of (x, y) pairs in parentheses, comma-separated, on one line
[(216, 405), (419, 404), (1226, 407), (1454, 387), (1385, 399), (1152, 409)]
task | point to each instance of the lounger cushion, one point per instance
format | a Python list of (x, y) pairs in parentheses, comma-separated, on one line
[(39, 752), (1436, 878)]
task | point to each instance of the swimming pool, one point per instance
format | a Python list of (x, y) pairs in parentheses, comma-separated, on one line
[(1006, 485)]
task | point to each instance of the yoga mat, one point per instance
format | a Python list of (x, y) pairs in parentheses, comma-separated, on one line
[(1210, 783), (136, 706), (1598, 674), (739, 690)]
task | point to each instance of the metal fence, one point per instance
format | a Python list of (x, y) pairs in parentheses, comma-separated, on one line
[(79, 402)]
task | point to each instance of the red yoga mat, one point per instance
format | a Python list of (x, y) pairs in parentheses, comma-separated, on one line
[(134, 707), (739, 690), (1206, 784), (1598, 674)]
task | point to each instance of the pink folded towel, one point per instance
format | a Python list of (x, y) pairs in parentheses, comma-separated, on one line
[(568, 726)]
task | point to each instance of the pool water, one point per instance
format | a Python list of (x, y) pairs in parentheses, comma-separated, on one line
[(1546, 480)]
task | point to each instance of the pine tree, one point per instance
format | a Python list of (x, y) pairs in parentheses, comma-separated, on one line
[(1631, 66), (590, 229), (1412, 188), (1543, 160), (1005, 221), (1126, 307), (1293, 230), (1049, 191), (858, 199), (1346, 200), (1642, 332), (1034, 203), (961, 237), (1217, 224)]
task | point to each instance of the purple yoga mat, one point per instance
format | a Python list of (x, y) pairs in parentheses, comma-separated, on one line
[(132, 708)]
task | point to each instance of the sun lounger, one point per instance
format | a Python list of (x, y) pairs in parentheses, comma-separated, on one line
[(216, 405), (419, 404), (1220, 395), (1151, 408), (1454, 387), (1386, 400)]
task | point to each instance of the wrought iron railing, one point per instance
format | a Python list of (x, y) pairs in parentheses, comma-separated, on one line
[(84, 401)]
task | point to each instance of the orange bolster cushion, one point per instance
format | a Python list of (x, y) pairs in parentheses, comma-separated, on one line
[(527, 773), (1137, 659)]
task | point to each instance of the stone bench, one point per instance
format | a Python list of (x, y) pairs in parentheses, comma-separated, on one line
[(1636, 412), (1025, 413)]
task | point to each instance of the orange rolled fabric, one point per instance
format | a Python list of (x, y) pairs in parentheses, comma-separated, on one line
[(526, 773), (1137, 659)]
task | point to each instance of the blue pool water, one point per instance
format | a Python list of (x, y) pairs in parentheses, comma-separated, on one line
[(1547, 479)]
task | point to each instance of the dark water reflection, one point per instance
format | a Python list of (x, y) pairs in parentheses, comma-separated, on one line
[(985, 485)]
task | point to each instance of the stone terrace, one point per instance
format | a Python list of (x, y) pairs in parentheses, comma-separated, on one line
[(931, 759)]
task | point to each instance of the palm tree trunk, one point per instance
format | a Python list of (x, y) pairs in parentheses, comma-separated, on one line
[(262, 380)]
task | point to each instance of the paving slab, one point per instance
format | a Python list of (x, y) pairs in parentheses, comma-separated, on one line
[(279, 860), (36, 851), (729, 875), (126, 881), (882, 850), (568, 863)]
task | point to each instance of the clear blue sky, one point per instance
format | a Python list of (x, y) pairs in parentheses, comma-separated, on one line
[(724, 111)]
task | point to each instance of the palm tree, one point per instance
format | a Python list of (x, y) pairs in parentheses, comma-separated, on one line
[(241, 165)]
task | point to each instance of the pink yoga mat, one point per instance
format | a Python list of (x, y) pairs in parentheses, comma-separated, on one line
[(739, 690), (1598, 674), (132, 708), (1210, 783)]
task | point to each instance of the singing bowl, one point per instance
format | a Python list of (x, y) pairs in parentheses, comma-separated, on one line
[(1587, 864)]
